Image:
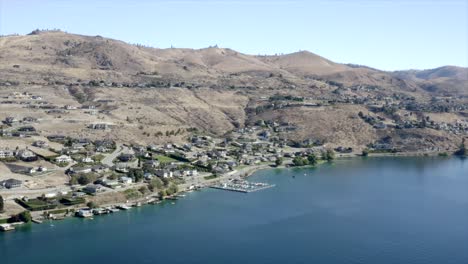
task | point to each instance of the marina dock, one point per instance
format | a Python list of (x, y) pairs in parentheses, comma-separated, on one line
[(242, 186)]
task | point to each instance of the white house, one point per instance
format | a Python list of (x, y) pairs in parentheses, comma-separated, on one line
[(6, 153), (87, 160), (164, 173), (63, 159), (126, 180)]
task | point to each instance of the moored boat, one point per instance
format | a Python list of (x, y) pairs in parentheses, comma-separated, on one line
[(6, 227)]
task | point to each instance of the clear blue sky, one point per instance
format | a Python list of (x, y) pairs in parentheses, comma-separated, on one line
[(386, 34)]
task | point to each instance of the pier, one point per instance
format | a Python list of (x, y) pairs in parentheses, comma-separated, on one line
[(242, 186)]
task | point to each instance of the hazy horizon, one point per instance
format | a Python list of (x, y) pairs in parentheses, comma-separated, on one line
[(396, 35)]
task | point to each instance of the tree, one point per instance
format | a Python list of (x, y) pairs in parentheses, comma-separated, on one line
[(86, 179), (2, 205), (279, 161), (136, 174), (299, 161), (172, 189), (329, 155), (155, 184), (22, 217), (365, 152), (143, 189), (162, 193), (312, 159), (92, 204), (462, 150)]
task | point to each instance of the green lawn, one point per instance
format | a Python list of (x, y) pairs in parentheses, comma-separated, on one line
[(164, 159), (35, 204)]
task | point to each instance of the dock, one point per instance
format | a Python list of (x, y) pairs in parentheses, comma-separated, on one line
[(242, 186), (36, 221)]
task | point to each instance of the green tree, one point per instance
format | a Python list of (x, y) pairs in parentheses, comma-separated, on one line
[(84, 179), (312, 159), (92, 204), (143, 189), (299, 161), (329, 155), (365, 152), (22, 217), (155, 184), (279, 161), (162, 193), (172, 189), (2, 205), (136, 174), (462, 150)]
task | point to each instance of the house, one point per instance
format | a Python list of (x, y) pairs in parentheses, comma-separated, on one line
[(125, 157), (164, 173), (98, 126), (6, 153), (87, 160), (11, 183), (63, 159), (187, 173), (92, 189), (70, 107), (49, 195), (126, 180), (111, 184), (100, 168), (83, 170), (27, 129), (26, 155), (40, 144), (29, 119), (102, 149), (152, 163), (380, 125), (57, 138), (10, 120)]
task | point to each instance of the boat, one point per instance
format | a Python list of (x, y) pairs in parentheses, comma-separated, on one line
[(6, 227), (123, 207), (137, 204), (99, 211), (84, 213), (111, 210)]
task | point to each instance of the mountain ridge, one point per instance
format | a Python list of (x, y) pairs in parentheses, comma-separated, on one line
[(146, 91)]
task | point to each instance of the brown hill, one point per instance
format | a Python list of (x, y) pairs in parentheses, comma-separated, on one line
[(216, 89), (446, 80)]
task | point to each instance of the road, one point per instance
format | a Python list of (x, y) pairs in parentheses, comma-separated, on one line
[(119, 149)]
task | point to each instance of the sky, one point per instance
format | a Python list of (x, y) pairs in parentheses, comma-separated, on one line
[(385, 34)]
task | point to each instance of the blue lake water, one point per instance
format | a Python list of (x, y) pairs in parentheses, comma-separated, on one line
[(374, 210)]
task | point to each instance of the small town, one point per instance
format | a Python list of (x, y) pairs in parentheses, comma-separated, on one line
[(55, 176)]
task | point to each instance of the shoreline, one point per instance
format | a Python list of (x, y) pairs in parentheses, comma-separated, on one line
[(243, 173)]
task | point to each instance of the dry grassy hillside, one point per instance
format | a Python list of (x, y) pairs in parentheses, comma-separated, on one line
[(154, 91)]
